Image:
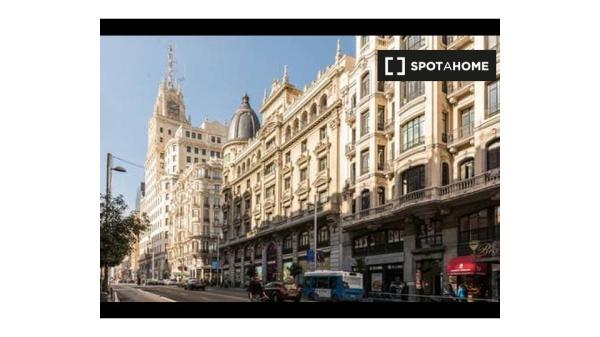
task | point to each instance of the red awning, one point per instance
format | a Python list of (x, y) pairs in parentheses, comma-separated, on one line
[(466, 265)]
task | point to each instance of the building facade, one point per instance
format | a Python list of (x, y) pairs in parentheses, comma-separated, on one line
[(405, 176), (174, 148)]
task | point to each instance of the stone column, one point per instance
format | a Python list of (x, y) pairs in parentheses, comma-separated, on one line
[(295, 247), (409, 262), (278, 243), (264, 263), (335, 242)]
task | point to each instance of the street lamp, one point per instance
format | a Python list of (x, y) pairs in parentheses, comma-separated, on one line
[(109, 170), (315, 232)]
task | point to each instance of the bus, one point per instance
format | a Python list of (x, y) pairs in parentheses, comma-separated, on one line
[(333, 285)]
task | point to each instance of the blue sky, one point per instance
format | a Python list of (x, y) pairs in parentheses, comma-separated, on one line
[(217, 72)]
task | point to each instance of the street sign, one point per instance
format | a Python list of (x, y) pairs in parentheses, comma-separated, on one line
[(215, 265)]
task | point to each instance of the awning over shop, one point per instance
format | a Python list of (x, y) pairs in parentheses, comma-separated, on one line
[(466, 265)]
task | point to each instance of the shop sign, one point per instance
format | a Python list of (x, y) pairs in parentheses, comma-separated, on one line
[(488, 249)]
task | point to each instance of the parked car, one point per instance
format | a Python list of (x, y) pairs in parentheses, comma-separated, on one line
[(170, 282), (193, 284), (280, 291), (153, 282)]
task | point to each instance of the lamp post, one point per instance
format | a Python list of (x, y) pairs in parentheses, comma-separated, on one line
[(315, 233), (109, 170)]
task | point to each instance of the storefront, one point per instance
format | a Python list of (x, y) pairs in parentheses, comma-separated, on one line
[(428, 277), (383, 277), (473, 275), (286, 269)]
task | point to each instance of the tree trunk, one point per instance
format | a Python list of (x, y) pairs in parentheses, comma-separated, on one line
[(105, 279)]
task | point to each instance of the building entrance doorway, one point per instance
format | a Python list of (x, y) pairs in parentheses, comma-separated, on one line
[(271, 263)]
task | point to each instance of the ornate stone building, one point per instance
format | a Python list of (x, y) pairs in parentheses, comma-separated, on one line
[(423, 184), (274, 176), (406, 175), (174, 146)]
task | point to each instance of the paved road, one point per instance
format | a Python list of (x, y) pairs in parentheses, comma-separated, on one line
[(134, 293), (130, 293)]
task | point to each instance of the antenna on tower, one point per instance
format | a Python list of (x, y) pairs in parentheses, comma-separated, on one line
[(170, 83)]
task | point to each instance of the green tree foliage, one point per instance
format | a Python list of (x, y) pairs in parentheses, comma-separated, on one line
[(118, 232), (251, 272), (295, 269)]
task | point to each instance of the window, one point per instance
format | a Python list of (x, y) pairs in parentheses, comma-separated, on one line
[(493, 155), (303, 174), (380, 157), (322, 197), (467, 168), (270, 191), (323, 236), (365, 199), (288, 157), (467, 118), (286, 184), (380, 117), (188, 159), (199, 136), (189, 149), (195, 160), (353, 101), (364, 123), (212, 139), (161, 130), (445, 174), (212, 154), (413, 179), (429, 235), (412, 133), (323, 133), (196, 150), (187, 134), (394, 236), (270, 143), (380, 196), (270, 168), (287, 244), (380, 85), (322, 164), (301, 204), (364, 85), (303, 146), (258, 177), (288, 133), (414, 42), (444, 126), (493, 98), (303, 241), (323, 103), (204, 152), (352, 172), (161, 139), (364, 161), (410, 90), (194, 135), (169, 132), (218, 140)]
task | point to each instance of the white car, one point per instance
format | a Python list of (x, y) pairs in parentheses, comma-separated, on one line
[(171, 282)]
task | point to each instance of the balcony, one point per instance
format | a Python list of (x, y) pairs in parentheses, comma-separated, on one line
[(461, 134), (489, 178), (458, 89), (350, 150), (429, 241)]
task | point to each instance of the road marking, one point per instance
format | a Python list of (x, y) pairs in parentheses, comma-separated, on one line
[(153, 294)]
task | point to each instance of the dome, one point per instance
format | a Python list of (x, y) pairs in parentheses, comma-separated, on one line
[(245, 123)]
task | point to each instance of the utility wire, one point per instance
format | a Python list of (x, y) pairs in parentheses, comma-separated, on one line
[(128, 162)]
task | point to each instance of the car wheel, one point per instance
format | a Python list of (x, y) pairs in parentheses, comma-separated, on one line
[(276, 298)]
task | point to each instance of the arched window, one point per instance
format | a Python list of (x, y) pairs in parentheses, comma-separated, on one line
[(493, 155), (243, 167), (380, 196), (248, 253), (323, 103), (445, 174), (271, 252), (304, 121), (365, 199), (413, 179), (288, 133), (303, 241), (365, 85), (258, 155), (258, 251), (313, 112), (296, 125), (467, 168)]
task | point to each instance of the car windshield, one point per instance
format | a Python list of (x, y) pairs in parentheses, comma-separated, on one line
[(273, 285)]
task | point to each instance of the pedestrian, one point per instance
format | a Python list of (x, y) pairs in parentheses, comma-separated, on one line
[(449, 291), (462, 293), (404, 292), (255, 290)]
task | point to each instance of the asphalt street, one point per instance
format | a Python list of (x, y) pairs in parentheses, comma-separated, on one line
[(134, 293)]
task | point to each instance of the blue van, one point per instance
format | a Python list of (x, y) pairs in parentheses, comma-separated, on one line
[(332, 285)]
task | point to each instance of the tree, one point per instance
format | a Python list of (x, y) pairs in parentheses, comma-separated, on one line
[(295, 269), (360, 265), (118, 232)]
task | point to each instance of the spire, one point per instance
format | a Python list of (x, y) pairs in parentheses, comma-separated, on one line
[(265, 96), (285, 74), (338, 52), (170, 83), (245, 99)]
